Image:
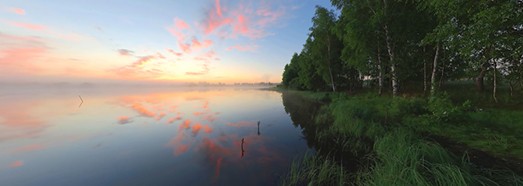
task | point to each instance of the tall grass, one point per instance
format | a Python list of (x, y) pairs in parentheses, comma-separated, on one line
[(316, 170), (382, 136), (404, 159)]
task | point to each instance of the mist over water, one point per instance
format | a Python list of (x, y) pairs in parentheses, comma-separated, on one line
[(145, 136)]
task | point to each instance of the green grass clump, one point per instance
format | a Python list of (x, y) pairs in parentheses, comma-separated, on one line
[(316, 170), (403, 159)]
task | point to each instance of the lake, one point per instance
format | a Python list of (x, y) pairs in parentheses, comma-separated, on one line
[(124, 136)]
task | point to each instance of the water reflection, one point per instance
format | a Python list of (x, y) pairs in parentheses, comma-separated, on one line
[(186, 137), (243, 150)]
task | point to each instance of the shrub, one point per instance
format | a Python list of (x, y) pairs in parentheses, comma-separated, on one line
[(443, 110)]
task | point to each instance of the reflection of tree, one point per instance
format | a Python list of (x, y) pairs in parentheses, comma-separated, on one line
[(302, 112), (259, 128), (243, 151)]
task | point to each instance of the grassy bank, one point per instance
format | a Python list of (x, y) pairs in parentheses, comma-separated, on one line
[(371, 140)]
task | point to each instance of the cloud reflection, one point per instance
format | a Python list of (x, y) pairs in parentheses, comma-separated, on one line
[(29, 148), (142, 110), (124, 120), (16, 164), (201, 133)]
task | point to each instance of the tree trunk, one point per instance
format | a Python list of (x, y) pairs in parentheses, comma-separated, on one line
[(380, 72), (332, 79), (479, 79), (394, 76), (442, 75), (425, 86), (434, 69), (329, 63), (495, 87)]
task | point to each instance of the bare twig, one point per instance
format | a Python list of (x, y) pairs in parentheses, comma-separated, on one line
[(80, 100)]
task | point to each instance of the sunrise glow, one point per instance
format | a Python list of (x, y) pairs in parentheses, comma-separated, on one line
[(164, 41)]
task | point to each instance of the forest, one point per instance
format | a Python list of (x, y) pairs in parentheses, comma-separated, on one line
[(410, 92), (397, 46)]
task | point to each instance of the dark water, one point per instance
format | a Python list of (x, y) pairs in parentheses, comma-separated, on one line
[(138, 137)]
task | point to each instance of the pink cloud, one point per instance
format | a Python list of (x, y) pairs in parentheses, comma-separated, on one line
[(177, 34), (141, 68), (178, 28), (241, 25), (268, 16), (194, 45), (241, 20), (18, 11), (29, 148), (180, 24), (198, 45), (187, 46), (143, 60), (179, 54), (16, 164), (21, 60), (10, 40), (19, 55), (125, 52), (124, 120), (207, 58), (160, 55), (29, 26), (218, 8), (213, 22)]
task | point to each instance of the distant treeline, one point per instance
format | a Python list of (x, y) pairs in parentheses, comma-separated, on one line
[(392, 44)]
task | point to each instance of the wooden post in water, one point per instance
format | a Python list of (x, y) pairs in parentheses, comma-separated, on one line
[(243, 151), (258, 128)]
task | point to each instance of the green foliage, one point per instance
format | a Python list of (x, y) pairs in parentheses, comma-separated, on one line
[(370, 37), (443, 110)]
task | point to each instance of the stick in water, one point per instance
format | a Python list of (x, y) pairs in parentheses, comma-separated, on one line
[(243, 151), (258, 128), (80, 100)]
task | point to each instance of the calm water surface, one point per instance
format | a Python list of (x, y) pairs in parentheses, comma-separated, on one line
[(146, 137)]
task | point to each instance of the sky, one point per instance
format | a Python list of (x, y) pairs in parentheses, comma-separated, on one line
[(212, 41)]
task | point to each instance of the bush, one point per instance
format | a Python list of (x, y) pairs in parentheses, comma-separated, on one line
[(443, 110)]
